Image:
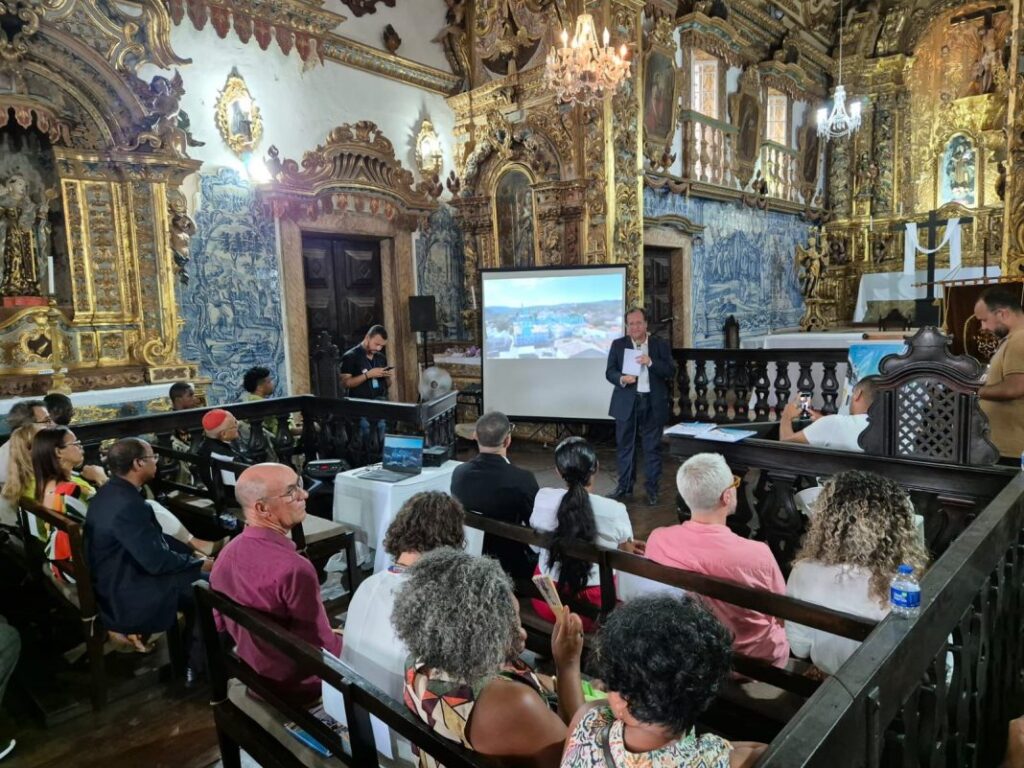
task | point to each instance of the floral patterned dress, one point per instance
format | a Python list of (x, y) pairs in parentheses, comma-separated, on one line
[(597, 742)]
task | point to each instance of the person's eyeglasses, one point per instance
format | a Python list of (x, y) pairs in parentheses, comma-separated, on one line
[(150, 457), (291, 493), (736, 480), (73, 442), (47, 420)]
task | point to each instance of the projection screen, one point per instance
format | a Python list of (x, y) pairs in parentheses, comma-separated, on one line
[(546, 336)]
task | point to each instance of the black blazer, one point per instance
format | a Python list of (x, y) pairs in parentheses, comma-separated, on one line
[(496, 489), (137, 578), (661, 370)]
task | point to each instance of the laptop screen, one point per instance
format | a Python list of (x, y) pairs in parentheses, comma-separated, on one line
[(403, 453)]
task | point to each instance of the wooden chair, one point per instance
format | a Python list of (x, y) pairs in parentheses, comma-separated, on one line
[(258, 726), (926, 406), (76, 596)]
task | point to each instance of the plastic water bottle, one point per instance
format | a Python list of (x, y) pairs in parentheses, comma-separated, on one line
[(1022, 461), (905, 593)]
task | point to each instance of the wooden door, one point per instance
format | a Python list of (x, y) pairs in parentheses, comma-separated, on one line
[(658, 291), (343, 287)]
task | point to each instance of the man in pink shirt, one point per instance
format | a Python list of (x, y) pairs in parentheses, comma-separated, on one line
[(704, 544), (260, 569)]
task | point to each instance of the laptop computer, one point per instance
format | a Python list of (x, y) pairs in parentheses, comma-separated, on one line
[(403, 458)]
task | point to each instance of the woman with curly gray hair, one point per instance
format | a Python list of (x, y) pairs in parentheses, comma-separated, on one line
[(459, 618), (663, 660), (862, 530)]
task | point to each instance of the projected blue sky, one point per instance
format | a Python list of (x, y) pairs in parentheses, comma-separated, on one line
[(548, 291)]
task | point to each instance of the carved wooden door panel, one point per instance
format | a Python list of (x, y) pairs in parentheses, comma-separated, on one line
[(658, 291), (343, 287)]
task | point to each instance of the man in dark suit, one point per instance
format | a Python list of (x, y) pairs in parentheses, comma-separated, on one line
[(140, 582), (639, 404), (490, 485)]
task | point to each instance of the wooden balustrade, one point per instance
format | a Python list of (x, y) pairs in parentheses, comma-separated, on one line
[(753, 384), (779, 167), (708, 150)]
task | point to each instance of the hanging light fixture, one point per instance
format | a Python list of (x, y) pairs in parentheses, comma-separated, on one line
[(582, 71), (838, 124)]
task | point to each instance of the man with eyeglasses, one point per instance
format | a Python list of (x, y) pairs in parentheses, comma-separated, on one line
[(261, 569), (141, 577), (704, 544), (26, 412), (491, 485)]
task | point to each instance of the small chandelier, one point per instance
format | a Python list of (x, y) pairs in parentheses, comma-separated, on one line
[(581, 71), (838, 124)]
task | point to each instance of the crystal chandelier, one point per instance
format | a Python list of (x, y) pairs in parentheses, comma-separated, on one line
[(582, 71), (839, 123)]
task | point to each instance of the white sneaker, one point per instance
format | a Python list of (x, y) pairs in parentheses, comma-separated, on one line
[(5, 751)]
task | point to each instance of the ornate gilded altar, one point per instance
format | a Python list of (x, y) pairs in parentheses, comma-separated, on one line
[(107, 152), (932, 139)]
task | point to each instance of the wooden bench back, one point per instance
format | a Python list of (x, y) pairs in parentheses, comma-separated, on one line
[(779, 606), (361, 697)]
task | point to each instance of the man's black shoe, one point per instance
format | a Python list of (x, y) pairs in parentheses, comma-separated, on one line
[(620, 495), (652, 499)]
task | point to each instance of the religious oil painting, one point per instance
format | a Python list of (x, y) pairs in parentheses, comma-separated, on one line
[(659, 96), (958, 173), (748, 123), (513, 202), (238, 117)]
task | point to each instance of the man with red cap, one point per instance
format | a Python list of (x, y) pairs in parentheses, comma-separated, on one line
[(220, 429)]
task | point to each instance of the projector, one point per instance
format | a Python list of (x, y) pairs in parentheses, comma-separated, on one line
[(435, 456)]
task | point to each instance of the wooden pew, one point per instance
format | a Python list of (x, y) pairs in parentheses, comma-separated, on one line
[(767, 715), (238, 729)]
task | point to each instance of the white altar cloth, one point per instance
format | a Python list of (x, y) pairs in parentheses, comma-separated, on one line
[(897, 286), (103, 396)]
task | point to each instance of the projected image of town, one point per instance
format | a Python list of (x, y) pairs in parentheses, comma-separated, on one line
[(556, 318)]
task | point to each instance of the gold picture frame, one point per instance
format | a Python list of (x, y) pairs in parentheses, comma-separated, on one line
[(238, 117), (661, 95)]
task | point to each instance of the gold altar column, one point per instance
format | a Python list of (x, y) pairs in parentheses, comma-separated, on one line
[(1013, 196), (624, 134)]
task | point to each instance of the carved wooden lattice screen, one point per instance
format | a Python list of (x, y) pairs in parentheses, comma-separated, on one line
[(926, 406)]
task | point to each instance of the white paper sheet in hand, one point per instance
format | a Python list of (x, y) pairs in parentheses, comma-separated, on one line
[(630, 366), (334, 705)]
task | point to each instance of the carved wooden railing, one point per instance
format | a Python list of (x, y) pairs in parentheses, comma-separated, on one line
[(330, 428), (938, 690), (708, 150), (753, 384), (779, 167), (948, 497)]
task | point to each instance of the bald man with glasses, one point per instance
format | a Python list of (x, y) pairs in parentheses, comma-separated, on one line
[(261, 569)]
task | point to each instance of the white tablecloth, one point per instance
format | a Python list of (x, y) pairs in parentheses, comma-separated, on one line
[(370, 506)]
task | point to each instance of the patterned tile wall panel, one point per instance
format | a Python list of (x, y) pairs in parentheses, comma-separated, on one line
[(742, 266), (440, 272), (232, 305)]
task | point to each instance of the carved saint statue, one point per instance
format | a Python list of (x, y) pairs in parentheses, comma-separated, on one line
[(812, 260), (182, 229), (17, 215), (988, 62)]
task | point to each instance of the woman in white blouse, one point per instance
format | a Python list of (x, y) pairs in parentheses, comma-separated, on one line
[(576, 514), (861, 532)]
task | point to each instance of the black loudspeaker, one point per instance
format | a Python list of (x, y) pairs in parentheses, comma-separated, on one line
[(422, 314)]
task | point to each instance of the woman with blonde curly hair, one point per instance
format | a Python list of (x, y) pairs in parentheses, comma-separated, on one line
[(861, 532)]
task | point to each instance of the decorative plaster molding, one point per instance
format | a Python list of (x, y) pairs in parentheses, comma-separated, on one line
[(299, 24)]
